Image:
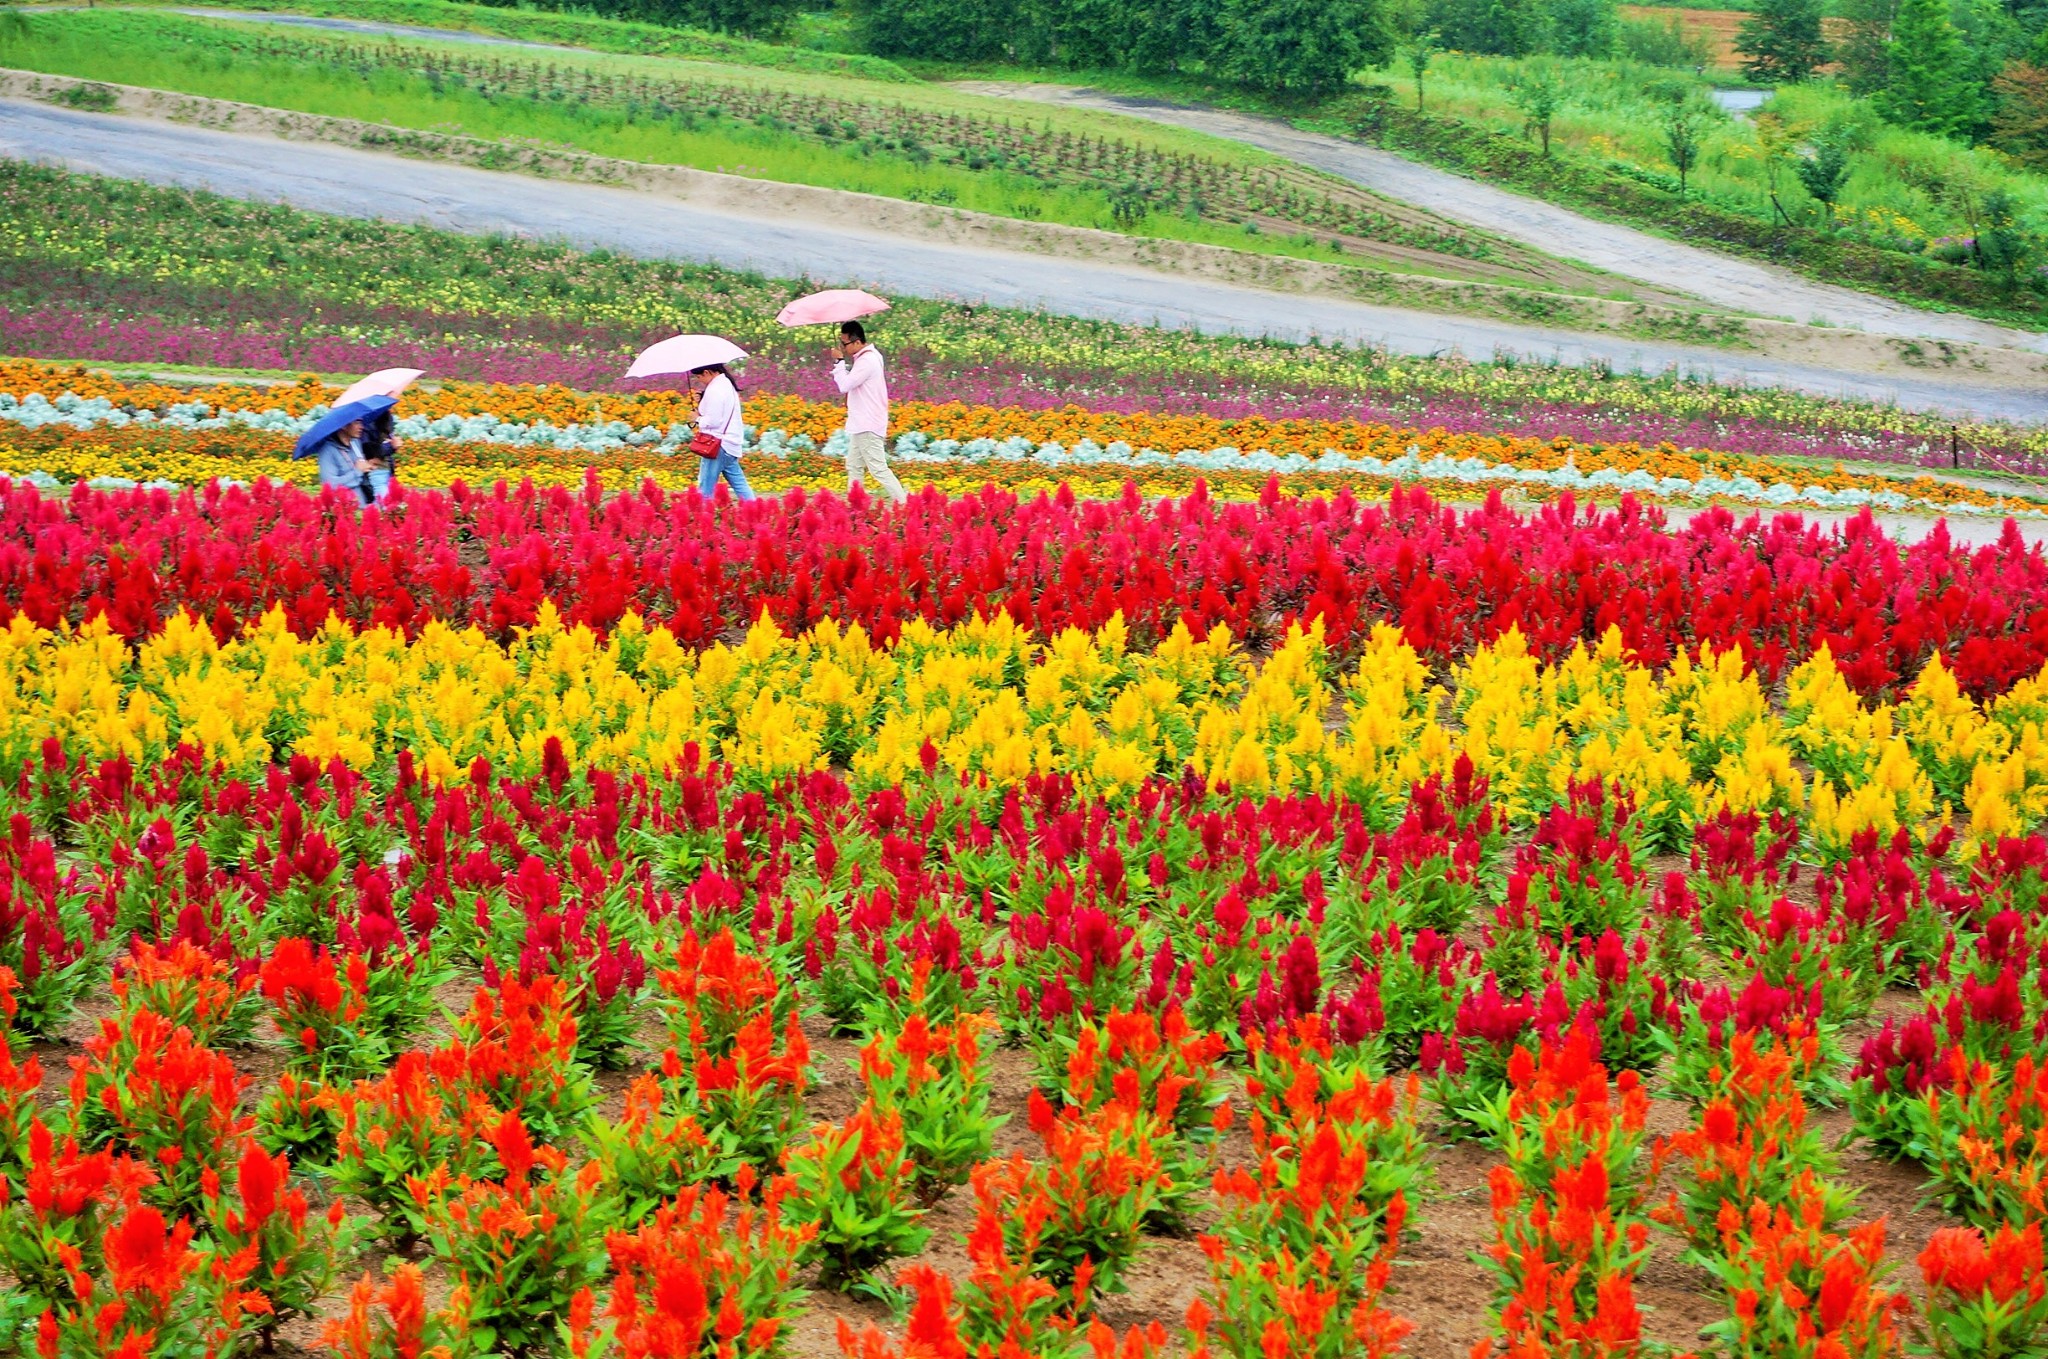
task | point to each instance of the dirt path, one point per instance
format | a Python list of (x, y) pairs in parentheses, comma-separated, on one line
[(1723, 280), (368, 27), (841, 247)]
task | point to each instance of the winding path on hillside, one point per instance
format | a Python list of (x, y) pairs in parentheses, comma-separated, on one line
[(1725, 281), (351, 182)]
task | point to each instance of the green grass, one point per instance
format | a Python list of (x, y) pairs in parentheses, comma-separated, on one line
[(580, 30)]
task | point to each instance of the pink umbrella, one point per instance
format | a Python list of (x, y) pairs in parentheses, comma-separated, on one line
[(389, 382), (682, 353), (831, 307)]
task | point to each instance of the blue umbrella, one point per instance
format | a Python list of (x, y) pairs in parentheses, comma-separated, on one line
[(335, 420)]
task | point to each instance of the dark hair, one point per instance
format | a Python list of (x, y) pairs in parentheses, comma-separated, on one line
[(719, 369), (854, 330)]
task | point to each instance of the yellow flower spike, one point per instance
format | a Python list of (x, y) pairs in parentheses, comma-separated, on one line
[(1995, 798), (1247, 771), (1949, 735)]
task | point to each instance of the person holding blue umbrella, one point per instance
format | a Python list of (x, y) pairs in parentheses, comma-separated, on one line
[(336, 439)]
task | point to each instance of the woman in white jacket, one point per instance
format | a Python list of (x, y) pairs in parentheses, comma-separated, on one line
[(718, 412)]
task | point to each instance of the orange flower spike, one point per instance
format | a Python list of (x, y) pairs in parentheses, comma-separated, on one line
[(2016, 1261), (143, 1254), (1084, 1065)]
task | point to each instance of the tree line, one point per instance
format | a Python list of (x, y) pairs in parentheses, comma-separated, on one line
[(1296, 48)]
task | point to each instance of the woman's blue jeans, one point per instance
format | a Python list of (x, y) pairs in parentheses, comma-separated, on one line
[(727, 466)]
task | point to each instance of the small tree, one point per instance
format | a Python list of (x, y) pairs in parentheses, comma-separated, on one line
[(2021, 126), (1682, 142), (1418, 55), (1825, 170), (938, 30), (754, 18), (2002, 245), (1537, 94), (1781, 41), (1865, 46), (1774, 142), (1305, 48), (1129, 204), (1508, 28), (1582, 28), (1930, 83)]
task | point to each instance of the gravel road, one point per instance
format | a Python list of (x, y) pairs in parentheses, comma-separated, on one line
[(1723, 280), (352, 182)]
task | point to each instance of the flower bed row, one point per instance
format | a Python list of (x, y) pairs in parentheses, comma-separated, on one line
[(1450, 580), (469, 432), (562, 356), (122, 459), (986, 701), (144, 264)]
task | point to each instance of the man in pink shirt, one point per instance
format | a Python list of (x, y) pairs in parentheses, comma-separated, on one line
[(858, 373)]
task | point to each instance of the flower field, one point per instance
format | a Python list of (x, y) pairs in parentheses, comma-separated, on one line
[(1173, 888), (61, 426), (545, 921)]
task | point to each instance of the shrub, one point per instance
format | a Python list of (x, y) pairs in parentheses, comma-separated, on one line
[(1082, 1210), (1752, 1144), (1984, 1139), (1307, 1244), (1798, 1291), (55, 1214), (291, 1252), (855, 1187), (516, 1048), (740, 1059), (937, 1326), (392, 1321), (929, 1075), (344, 1020), (48, 943), (707, 1269), (654, 1151), (153, 1089), (1569, 1239), (19, 1084), (522, 1247), (406, 1125), (152, 1297), (1159, 1070), (1983, 1296), (189, 987)]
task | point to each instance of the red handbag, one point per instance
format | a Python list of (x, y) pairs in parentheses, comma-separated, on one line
[(704, 443)]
